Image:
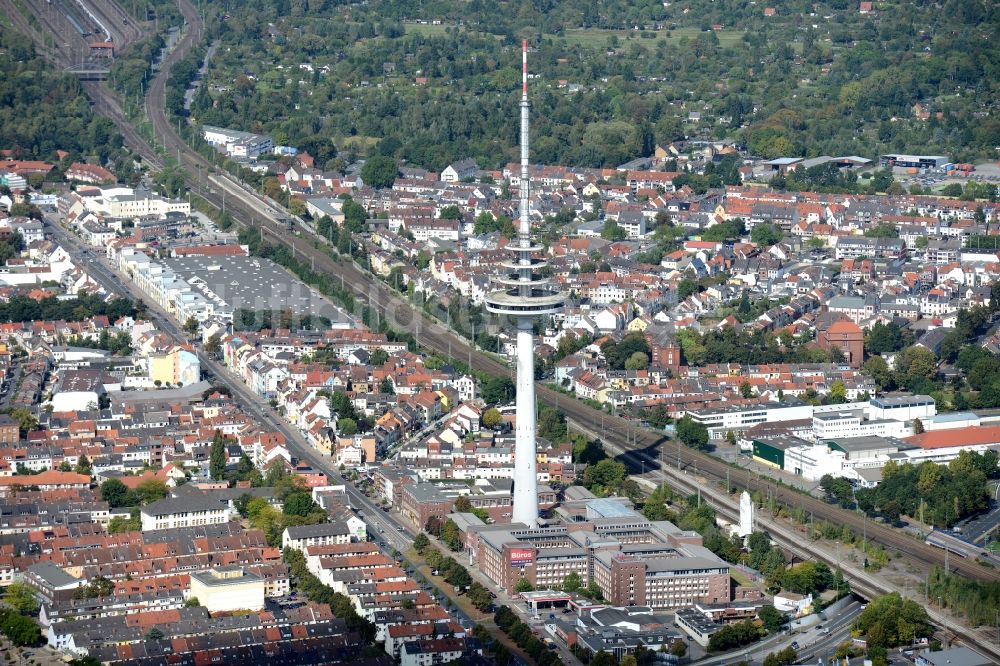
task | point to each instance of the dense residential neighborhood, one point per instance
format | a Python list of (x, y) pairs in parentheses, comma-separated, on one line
[(772, 328), (330, 336)]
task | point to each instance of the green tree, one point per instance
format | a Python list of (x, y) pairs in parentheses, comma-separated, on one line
[(115, 493), (420, 542), (83, 465), (492, 418), (299, 504), (603, 658), (151, 490), (686, 287), (191, 326), (20, 630), (781, 658), (882, 231), (766, 235), (498, 390), (876, 368), (213, 345), (523, 585), (552, 424), (605, 477), (379, 171), (692, 433), (120, 524), (838, 392), (572, 583), (734, 635), (451, 536), (26, 420), (21, 598), (347, 427), (217, 457), (342, 405), (618, 353), (480, 596), (355, 216), (916, 364), (637, 361), (459, 577), (612, 231), (884, 339), (889, 621), (771, 617)]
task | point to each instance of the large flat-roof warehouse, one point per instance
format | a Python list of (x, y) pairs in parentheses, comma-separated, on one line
[(253, 283)]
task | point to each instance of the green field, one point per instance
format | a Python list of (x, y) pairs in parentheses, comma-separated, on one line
[(598, 37), (425, 29)]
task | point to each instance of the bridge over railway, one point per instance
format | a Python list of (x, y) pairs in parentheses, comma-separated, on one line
[(89, 71)]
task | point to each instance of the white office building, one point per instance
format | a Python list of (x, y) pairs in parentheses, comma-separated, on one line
[(227, 589), (902, 408), (814, 461), (852, 423), (238, 144), (187, 511), (738, 419)]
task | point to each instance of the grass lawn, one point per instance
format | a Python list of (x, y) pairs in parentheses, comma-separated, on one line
[(739, 577), (598, 37), (425, 29)]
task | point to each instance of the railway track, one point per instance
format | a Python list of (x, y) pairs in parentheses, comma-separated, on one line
[(795, 542)]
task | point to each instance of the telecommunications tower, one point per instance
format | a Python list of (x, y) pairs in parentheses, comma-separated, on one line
[(525, 296)]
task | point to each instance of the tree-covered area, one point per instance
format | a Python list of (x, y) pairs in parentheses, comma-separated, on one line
[(940, 494), (22, 308), (812, 79), (316, 591), (749, 348), (890, 621), (117, 494), (508, 622), (298, 507), (43, 110), (978, 600), (254, 320), (916, 368)]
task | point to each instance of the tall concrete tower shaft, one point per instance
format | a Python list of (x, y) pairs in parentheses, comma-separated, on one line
[(526, 295)]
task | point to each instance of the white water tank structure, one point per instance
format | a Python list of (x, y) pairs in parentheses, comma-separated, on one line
[(746, 515)]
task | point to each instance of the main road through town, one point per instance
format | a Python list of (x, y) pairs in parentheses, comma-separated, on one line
[(383, 527)]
